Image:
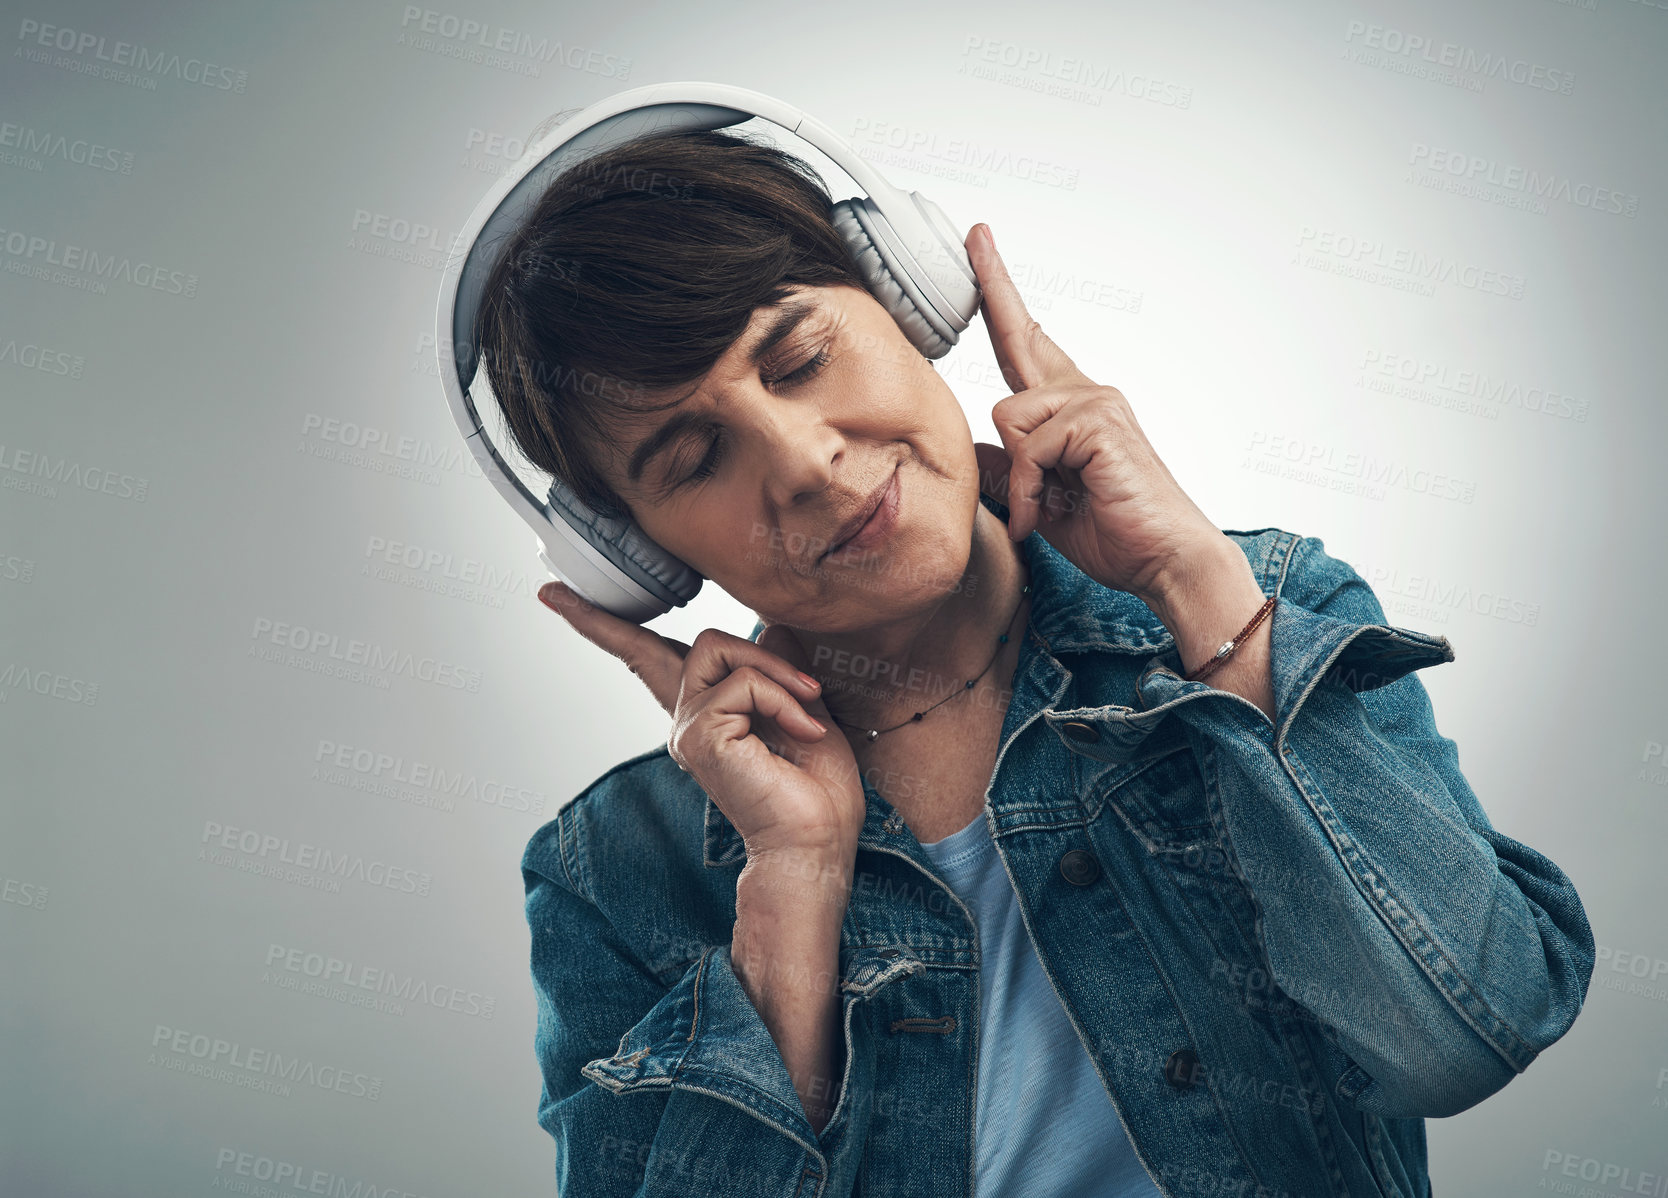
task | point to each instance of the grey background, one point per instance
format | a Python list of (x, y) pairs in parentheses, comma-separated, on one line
[(1155, 219)]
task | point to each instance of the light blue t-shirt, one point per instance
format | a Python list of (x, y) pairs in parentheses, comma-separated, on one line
[(1044, 1125)]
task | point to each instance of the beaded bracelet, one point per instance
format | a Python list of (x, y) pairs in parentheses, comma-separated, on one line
[(1228, 647)]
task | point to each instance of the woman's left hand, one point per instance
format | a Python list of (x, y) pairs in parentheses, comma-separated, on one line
[(1076, 465)]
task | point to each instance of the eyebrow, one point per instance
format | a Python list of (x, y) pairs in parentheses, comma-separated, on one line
[(788, 318)]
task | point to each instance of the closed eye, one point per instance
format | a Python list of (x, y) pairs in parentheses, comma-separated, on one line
[(805, 372), (709, 462)]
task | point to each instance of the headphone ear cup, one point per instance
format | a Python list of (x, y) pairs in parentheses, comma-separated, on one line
[(891, 287), (618, 539)]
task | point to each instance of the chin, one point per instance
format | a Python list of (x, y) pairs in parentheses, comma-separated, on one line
[(879, 590), (919, 574)]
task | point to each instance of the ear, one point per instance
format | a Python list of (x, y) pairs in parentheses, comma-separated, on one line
[(994, 468)]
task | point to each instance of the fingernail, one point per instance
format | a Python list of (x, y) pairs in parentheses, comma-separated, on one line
[(989, 236), (819, 723), (551, 593), (808, 680)]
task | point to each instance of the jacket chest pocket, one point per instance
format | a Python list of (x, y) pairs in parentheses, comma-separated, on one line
[(1161, 800), (1160, 797)]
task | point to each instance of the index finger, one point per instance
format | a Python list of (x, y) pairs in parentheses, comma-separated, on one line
[(1026, 355), (778, 640), (656, 659)]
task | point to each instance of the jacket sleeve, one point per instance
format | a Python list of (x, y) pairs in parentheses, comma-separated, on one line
[(651, 1089), (1439, 954)]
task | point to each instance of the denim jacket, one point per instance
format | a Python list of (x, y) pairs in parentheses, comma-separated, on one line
[(1284, 944)]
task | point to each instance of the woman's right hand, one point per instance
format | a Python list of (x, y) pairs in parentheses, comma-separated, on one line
[(745, 725)]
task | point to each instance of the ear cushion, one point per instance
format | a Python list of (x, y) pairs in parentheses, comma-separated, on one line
[(617, 538), (888, 282)]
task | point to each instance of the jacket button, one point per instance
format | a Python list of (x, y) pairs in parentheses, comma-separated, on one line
[(1182, 1069), (1079, 867), (1079, 731)]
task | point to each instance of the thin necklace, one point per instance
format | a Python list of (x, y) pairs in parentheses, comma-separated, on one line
[(871, 733)]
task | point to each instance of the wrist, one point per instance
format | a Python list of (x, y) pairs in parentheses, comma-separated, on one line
[(799, 878), (1193, 577), (1205, 598), (821, 846), (785, 944)]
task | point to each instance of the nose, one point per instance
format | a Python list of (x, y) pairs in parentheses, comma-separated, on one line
[(802, 449)]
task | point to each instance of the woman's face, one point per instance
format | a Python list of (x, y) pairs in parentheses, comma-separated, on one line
[(755, 477)]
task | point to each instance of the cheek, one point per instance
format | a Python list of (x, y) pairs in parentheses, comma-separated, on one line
[(726, 541), (684, 528), (947, 439)]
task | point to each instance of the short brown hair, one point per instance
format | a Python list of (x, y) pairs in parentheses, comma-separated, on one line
[(636, 270)]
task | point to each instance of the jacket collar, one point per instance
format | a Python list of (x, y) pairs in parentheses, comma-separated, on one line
[(1070, 612)]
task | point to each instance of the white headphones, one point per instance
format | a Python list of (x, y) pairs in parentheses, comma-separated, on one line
[(906, 250)]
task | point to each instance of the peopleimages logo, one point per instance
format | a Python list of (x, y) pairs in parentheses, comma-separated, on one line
[(415, 242), (37, 39), (1046, 282), (20, 144), (440, 572), (16, 569), (1476, 171), (891, 143), (32, 471), (1604, 1173), (369, 986), (313, 865), (384, 773), (1411, 377), (1354, 471), (17, 677), (24, 894), (1657, 773), (244, 1065), (325, 648), (377, 449), (268, 1176), (470, 40), (1431, 53), (35, 357), (1374, 261), (31, 255), (1037, 69), (1631, 972), (1431, 597)]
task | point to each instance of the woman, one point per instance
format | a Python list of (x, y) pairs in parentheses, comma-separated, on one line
[(979, 869)]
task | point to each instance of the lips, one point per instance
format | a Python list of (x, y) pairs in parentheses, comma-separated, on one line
[(853, 526)]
